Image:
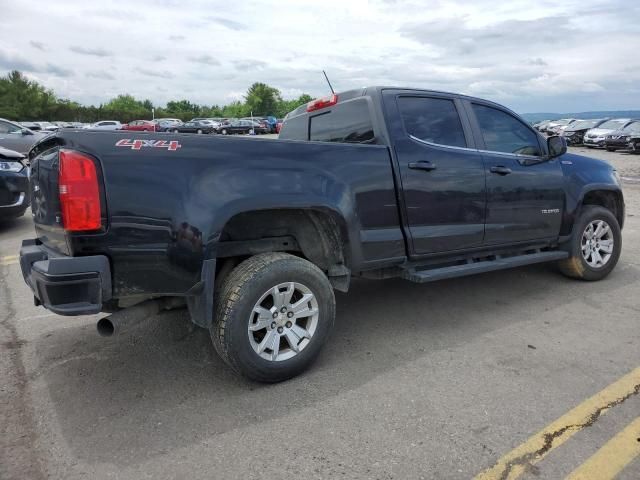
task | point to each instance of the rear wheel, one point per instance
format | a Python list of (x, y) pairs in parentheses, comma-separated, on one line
[(610, 149), (595, 245), (199, 132), (224, 131), (274, 313)]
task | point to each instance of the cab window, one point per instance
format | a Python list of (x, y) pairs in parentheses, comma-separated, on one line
[(433, 120), (503, 132)]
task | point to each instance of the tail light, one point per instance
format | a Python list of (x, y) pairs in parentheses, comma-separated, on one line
[(79, 192), (322, 103)]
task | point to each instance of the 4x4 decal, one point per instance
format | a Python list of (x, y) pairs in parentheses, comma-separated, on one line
[(137, 144)]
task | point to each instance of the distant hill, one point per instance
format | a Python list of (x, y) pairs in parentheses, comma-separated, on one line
[(538, 117)]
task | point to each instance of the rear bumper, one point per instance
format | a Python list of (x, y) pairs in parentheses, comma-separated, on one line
[(65, 285)]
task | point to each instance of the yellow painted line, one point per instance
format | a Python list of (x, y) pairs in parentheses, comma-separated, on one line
[(9, 260), (612, 457), (518, 460)]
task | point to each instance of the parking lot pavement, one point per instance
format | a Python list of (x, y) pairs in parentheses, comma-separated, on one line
[(521, 372)]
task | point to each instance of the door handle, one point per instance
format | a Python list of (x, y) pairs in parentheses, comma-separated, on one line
[(422, 165), (500, 170)]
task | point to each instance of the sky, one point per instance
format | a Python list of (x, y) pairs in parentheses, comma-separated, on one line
[(533, 56)]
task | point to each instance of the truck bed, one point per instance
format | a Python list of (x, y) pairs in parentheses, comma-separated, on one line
[(169, 196)]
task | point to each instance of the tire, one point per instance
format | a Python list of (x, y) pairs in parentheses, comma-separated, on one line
[(241, 294), (224, 131), (609, 149), (199, 132), (175, 130), (577, 266)]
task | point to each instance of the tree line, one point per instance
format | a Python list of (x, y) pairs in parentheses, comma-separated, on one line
[(22, 99)]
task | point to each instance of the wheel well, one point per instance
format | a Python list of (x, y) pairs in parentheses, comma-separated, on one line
[(612, 201), (317, 235)]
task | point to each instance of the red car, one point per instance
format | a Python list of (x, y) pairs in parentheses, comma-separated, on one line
[(279, 125), (140, 126)]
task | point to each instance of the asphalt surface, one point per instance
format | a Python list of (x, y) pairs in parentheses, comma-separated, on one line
[(418, 381)]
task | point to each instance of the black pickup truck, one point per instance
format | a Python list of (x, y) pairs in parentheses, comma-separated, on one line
[(254, 235)]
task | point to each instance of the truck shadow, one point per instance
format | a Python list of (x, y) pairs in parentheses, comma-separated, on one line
[(161, 386)]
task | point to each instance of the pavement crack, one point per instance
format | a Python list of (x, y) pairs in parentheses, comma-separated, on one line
[(550, 437)]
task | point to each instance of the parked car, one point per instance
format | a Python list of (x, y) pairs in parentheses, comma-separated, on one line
[(33, 126), (14, 184), (574, 133), (16, 137), (63, 124), (51, 127), (279, 125), (254, 236), (140, 126), (557, 126), (105, 125), (236, 126), (625, 138), (200, 126), (595, 137), (541, 126), (166, 125), (260, 125)]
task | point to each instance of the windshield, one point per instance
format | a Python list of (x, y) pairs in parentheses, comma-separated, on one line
[(632, 127), (584, 124), (613, 124)]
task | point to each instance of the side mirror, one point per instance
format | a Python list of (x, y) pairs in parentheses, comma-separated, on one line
[(557, 146), (26, 131)]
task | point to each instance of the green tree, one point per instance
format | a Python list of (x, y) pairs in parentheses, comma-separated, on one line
[(262, 100), (21, 98)]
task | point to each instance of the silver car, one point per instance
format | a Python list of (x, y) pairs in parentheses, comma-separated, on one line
[(18, 138), (596, 136), (105, 125)]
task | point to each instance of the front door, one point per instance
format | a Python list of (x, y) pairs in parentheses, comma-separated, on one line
[(442, 175), (525, 191)]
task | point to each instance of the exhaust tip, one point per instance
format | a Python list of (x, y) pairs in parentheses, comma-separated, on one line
[(105, 327)]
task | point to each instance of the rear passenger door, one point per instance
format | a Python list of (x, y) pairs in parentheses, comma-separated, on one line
[(441, 172), (525, 191)]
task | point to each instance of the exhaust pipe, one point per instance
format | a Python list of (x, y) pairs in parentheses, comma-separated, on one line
[(115, 323)]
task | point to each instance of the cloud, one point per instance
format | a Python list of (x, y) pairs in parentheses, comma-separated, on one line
[(230, 24), (94, 52), (38, 45), (205, 59), (15, 62), (246, 65), (10, 61), (154, 73), (57, 71), (100, 74), (527, 54)]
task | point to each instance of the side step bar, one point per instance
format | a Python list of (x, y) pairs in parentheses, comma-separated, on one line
[(413, 274)]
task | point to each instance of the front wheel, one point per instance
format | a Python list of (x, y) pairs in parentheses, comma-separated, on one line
[(199, 132), (274, 313), (610, 149), (224, 131), (595, 245)]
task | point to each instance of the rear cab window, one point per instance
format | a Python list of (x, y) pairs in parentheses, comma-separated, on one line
[(347, 122)]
